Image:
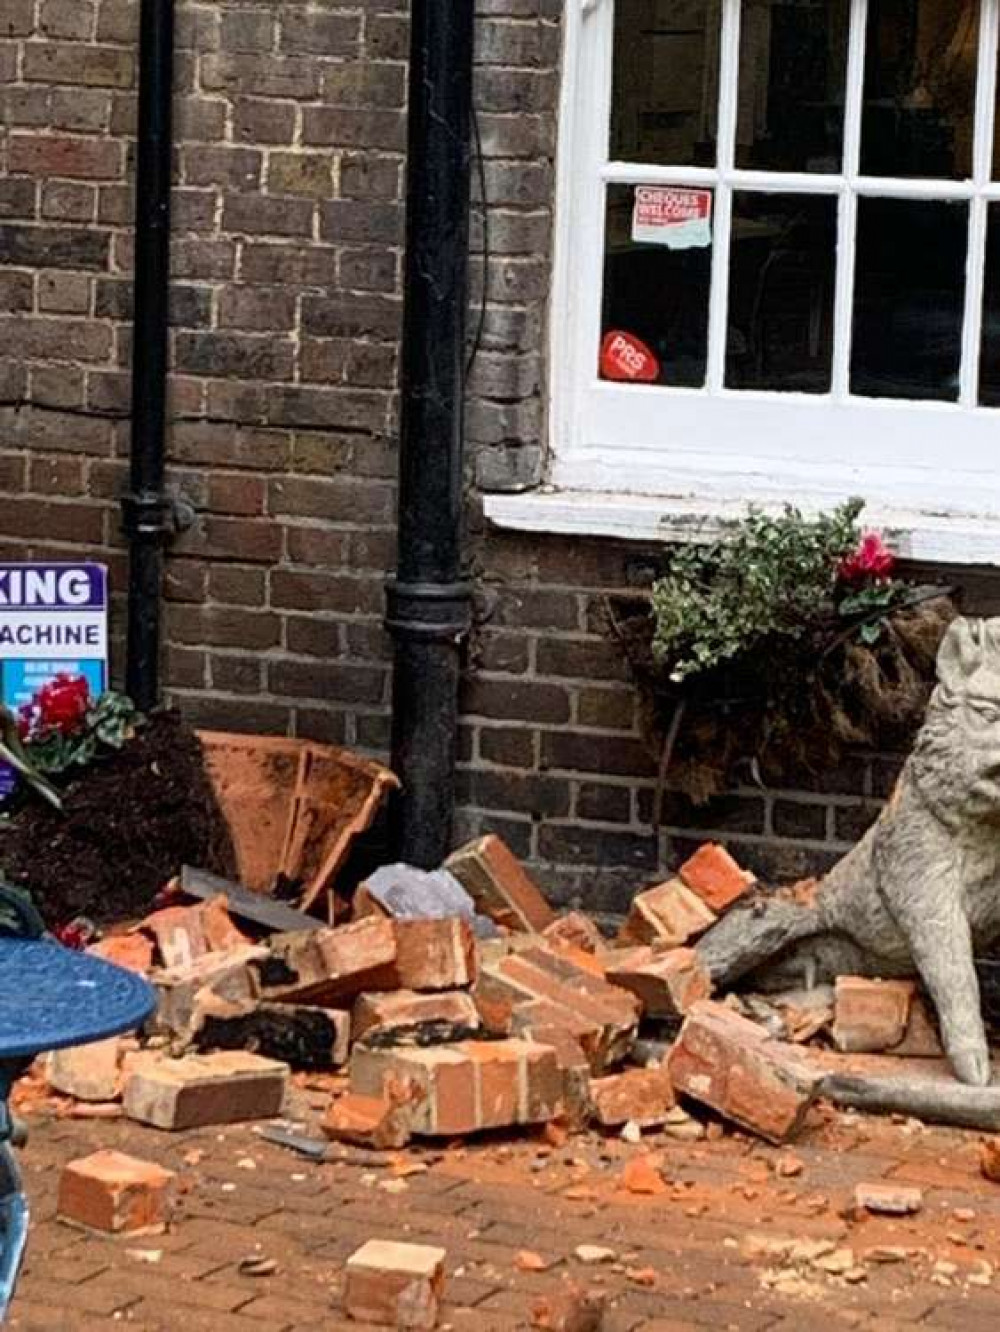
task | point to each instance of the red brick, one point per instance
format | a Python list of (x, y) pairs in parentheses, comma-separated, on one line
[(870, 1015), (499, 885), (669, 914), (321, 966), (185, 933), (499, 1082), (540, 973), (577, 930), (395, 1285), (132, 951), (379, 1122), (199, 1090), (733, 1066), (643, 1095), (665, 983), (435, 954), (467, 1086), (87, 1072), (406, 1008), (714, 875), (113, 1192), (989, 1159), (922, 1040), (227, 975), (48, 155)]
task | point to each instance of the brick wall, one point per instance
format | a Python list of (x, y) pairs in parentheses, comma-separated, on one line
[(290, 126)]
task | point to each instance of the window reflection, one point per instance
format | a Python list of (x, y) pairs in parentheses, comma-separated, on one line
[(908, 299), (666, 81), (919, 92), (989, 361), (781, 289), (793, 70)]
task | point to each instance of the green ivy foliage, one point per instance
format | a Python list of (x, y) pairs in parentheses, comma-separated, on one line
[(769, 578)]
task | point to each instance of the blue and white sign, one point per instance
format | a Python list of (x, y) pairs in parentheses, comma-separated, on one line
[(53, 621)]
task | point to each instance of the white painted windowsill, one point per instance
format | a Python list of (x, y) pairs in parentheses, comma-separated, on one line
[(943, 538)]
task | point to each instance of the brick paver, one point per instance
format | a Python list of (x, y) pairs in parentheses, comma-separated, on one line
[(486, 1202)]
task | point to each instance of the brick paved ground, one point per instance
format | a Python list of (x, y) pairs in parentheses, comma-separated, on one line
[(485, 1203)]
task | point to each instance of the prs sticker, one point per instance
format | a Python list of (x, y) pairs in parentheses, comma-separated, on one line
[(679, 219), (624, 356)]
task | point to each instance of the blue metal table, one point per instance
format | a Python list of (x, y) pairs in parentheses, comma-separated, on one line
[(50, 998)]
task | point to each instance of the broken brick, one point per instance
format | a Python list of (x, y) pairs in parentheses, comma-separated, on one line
[(989, 1159), (185, 933), (577, 930), (134, 952), (198, 1090), (466, 1086), (87, 1072), (642, 1175), (379, 1122), (665, 983), (669, 914), (804, 1013), (331, 965), (228, 976), (435, 954), (921, 1040), (730, 1064), (870, 1015), (571, 1308), (119, 1194), (715, 877), (406, 1008), (540, 973), (499, 885), (644, 1096), (395, 1285)]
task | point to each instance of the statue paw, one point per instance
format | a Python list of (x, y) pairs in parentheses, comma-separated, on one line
[(971, 1064)]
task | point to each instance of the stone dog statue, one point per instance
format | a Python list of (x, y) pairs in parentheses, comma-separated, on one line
[(921, 891)]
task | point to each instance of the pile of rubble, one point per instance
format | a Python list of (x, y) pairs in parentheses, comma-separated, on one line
[(458, 1001), (454, 1003)]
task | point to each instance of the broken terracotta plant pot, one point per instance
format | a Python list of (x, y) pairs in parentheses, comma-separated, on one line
[(293, 806)]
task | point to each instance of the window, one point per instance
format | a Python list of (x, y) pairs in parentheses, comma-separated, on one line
[(779, 252)]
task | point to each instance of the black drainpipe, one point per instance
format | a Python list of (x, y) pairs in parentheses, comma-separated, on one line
[(429, 600), (147, 511)]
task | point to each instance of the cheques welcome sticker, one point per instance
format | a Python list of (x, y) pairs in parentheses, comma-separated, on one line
[(680, 219), (53, 621)]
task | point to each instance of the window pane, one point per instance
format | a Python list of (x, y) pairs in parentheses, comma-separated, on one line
[(781, 285), (657, 270), (793, 67), (908, 298), (666, 81), (989, 364), (920, 82)]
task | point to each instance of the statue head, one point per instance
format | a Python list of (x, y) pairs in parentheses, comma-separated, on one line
[(956, 760)]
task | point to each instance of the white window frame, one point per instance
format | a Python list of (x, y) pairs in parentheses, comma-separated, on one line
[(712, 448)]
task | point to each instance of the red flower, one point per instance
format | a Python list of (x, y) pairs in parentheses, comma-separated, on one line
[(63, 703), (76, 933), (872, 559)]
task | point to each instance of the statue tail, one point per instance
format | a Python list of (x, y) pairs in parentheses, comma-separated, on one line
[(750, 936)]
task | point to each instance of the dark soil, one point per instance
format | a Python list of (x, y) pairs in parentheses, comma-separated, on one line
[(790, 710), (129, 822)]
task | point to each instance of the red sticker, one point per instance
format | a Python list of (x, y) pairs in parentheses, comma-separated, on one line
[(624, 356)]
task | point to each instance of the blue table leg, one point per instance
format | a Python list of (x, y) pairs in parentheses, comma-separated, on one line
[(13, 1203)]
